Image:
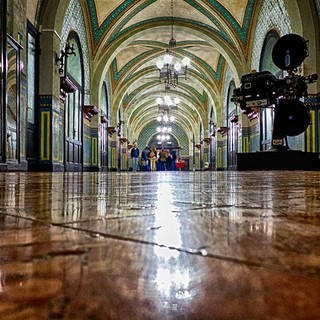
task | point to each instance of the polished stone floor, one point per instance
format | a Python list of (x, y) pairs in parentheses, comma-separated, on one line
[(162, 245)]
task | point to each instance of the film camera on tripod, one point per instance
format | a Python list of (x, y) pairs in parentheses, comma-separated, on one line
[(264, 90)]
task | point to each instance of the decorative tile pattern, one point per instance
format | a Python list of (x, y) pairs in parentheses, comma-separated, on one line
[(229, 76), (73, 20), (312, 101), (273, 15)]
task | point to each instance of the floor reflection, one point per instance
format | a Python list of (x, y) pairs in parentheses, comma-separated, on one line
[(169, 232), (159, 245), (172, 274)]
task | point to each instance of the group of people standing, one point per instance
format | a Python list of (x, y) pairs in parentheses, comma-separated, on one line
[(152, 159)]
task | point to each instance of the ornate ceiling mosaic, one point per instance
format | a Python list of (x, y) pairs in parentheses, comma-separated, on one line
[(128, 37)]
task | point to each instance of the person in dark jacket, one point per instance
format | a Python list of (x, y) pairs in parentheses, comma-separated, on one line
[(174, 159), (162, 160), (145, 158), (168, 161), (135, 157)]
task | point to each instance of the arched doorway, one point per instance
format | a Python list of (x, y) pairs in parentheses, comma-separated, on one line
[(12, 111), (74, 107), (33, 95), (232, 141), (212, 127), (166, 141), (104, 106)]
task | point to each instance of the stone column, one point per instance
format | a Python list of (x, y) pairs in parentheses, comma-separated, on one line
[(51, 107)]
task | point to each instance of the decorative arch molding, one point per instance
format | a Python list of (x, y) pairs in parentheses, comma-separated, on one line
[(153, 139), (178, 133), (116, 23), (38, 12), (103, 63), (210, 94), (147, 101), (118, 100), (186, 121), (107, 85), (229, 78), (50, 10)]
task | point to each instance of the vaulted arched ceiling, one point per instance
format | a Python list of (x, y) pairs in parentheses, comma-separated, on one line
[(128, 37)]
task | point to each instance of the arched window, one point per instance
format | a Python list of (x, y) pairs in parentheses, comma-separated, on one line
[(232, 142), (267, 114)]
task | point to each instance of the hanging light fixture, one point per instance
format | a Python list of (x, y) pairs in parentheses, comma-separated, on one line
[(165, 117), (163, 137), (165, 105), (164, 110), (170, 68), (164, 129)]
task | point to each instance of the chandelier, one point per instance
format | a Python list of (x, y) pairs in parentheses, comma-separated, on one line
[(163, 134), (164, 129), (163, 137), (165, 105), (165, 117), (170, 68)]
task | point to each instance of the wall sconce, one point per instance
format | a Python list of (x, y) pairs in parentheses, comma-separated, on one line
[(103, 118), (90, 111), (234, 119), (253, 115), (111, 131), (223, 130), (123, 140), (60, 59)]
